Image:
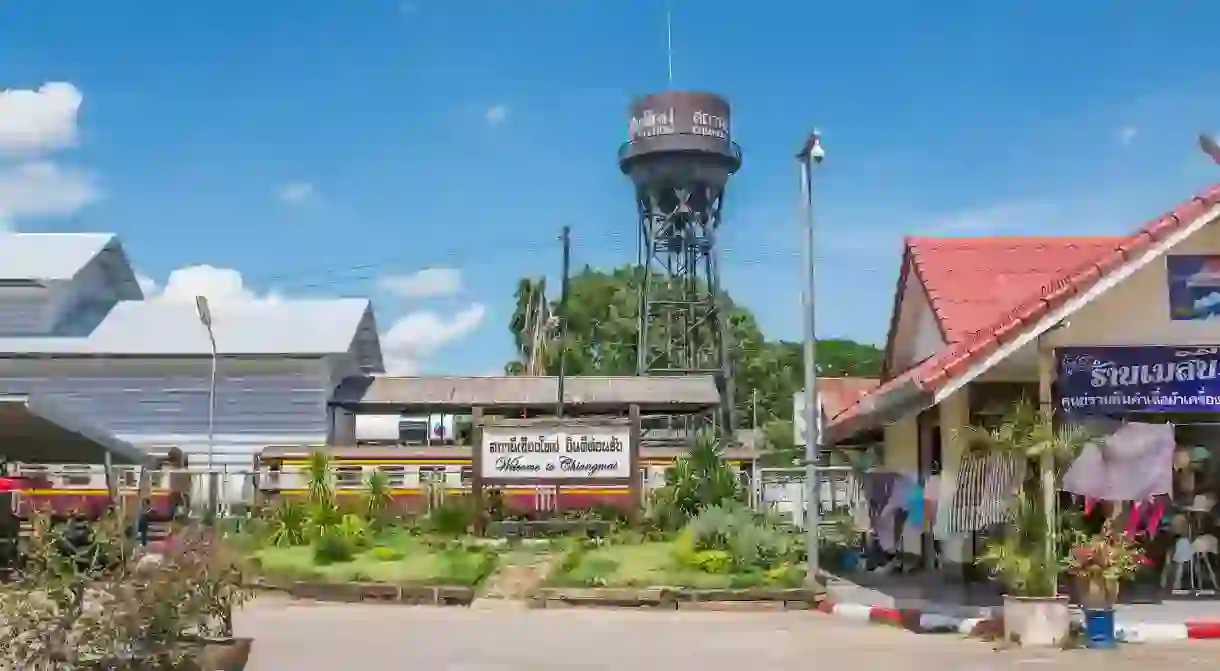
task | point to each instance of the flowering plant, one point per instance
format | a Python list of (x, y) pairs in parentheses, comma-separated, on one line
[(1108, 556)]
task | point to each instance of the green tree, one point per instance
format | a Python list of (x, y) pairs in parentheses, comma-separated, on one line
[(603, 308)]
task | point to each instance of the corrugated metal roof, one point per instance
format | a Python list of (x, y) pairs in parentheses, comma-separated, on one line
[(694, 391), (170, 328), (48, 256)]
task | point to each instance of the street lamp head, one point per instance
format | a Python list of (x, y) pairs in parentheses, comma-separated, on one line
[(205, 313), (1210, 146), (812, 149)]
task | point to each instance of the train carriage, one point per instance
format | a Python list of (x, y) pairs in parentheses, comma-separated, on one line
[(419, 476), (64, 489)]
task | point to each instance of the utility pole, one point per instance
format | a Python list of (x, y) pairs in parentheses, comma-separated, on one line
[(754, 408), (811, 152), (566, 239)]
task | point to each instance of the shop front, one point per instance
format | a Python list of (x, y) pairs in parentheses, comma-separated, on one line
[(1158, 408)]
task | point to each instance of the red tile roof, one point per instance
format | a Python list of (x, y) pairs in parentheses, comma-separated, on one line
[(987, 291), (970, 281), (840, 393)]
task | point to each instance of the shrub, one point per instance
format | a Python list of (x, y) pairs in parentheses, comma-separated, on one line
[(697, 481), (333, 546), (61, 613), (747, 541), (376, 499), (354, 528), (454, 517), (382, 553), (287, 524)]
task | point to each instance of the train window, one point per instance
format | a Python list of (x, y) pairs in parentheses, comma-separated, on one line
[(396, 476), (349, 476), (76, 476), (467, 475), (431, 474), (127, 478)]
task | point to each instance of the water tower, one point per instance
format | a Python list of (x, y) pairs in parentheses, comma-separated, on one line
[(680, 154)]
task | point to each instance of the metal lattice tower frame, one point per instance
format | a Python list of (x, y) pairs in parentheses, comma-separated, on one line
[(682, 330)]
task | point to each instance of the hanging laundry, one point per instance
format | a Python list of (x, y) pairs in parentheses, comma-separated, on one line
[(877, 488), (1135, 463), (1146, 517), (986, 484), (901, 494)]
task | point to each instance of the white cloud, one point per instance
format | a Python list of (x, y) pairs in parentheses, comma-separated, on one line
[(219, 285), (405, 345), (295, 193), (426, 283), (33, 121), (1127, 135), (147, 284), (419, 334), (496, 114), (42, 188)]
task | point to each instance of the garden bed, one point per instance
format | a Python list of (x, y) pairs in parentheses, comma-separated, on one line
[(396, 568), (653, 564)]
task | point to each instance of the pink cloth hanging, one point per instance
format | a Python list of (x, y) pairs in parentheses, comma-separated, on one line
[(1135, 464), (1133, 524)]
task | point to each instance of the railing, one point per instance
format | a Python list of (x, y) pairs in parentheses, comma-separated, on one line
[(678, 142)]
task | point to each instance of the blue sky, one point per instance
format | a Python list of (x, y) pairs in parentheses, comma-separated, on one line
[(317, 146)]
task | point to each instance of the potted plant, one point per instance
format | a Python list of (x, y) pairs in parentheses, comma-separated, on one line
[(1027, 557), (1099, 564), (1034, 612)]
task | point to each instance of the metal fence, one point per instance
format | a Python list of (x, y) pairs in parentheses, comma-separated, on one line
[(782, 492)]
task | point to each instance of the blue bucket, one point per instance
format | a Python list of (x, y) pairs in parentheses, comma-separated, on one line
[(1099, 627), (849, 560)]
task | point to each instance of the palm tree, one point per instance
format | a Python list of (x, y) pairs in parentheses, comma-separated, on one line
[(1030, 434)]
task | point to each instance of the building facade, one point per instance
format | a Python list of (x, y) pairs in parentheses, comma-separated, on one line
[(1102, 331), (76, 330)]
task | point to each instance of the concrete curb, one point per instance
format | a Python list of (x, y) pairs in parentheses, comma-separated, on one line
[(911, 619), (920, 622)]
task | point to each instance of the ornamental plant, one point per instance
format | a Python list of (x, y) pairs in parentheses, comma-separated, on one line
[(96, 604), (1108, 557)]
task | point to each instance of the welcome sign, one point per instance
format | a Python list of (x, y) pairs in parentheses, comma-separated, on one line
[(593, 452)]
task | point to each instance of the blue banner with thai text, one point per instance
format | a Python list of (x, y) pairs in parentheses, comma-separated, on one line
[(1109, 380)]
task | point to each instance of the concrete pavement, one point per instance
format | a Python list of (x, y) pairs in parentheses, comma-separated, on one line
[(305, 636)]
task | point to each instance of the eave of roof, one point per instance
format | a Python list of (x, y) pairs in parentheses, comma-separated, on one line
[(917, 385)]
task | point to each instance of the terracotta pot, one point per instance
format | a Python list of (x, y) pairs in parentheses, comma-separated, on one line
[(225, 655), (1096, 592), (1039, 622)]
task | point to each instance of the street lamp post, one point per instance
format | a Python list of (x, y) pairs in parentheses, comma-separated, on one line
[(811, 153), (205, 317)]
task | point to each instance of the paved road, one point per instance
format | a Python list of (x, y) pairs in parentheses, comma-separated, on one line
[(308, 637)]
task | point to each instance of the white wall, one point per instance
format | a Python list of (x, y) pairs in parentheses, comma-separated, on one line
[(918, 336)]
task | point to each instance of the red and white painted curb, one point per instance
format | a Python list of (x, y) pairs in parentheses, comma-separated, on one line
[(936, 623), (907, 618), (1155, 632)]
